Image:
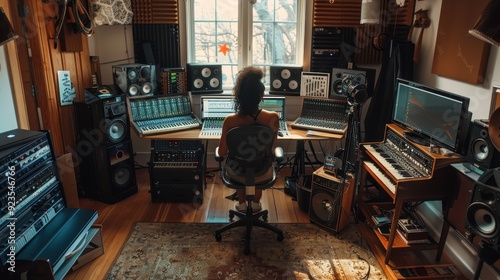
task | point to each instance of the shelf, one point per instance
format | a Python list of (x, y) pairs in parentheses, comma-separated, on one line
[(369, 209)]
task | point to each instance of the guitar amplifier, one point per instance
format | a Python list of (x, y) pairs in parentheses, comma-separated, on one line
[(330, 204)]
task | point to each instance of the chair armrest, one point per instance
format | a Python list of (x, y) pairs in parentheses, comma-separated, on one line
[(278, 154), (217, 156)]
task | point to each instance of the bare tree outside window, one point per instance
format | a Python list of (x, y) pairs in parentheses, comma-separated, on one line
[(273, 33)]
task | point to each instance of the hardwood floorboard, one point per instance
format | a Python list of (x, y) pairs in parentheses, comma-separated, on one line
[(118, 219)]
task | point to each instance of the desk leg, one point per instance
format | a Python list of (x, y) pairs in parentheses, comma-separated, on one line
[(298, 168)]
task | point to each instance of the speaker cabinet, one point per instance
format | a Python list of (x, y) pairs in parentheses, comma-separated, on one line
[(362, 76), (285, 80), (481, 151), (330, 203), (135, 79), (204, 78), (483, 213), (332, 47), (107, 170)]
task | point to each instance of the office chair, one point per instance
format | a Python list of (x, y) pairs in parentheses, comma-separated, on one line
[(250, 156)]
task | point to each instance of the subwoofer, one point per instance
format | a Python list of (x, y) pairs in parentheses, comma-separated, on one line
[(481, 152), (104, 149), (135, 79), (204, 78), (483, 213), (331, 202), (285, 80)]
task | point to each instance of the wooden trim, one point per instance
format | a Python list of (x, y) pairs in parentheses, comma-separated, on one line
[(15, 74), (155, 12)]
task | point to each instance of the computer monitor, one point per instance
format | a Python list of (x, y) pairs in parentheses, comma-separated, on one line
[(432, 115)]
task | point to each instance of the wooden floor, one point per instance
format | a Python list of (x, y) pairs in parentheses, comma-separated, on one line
[(118, 219)]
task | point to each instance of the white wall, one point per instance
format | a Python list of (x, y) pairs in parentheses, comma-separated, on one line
[(8, 115)]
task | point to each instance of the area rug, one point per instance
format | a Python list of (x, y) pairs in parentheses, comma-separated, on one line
[(190, 251)]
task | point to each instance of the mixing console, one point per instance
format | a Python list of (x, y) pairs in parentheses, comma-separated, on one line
[(323, 114), (161, 114), (214, 110)]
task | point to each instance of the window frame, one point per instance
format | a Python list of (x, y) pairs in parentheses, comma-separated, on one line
[(245, 26)]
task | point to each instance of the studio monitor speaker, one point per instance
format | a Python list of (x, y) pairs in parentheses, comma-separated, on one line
[(360, 76), (108, 173), (331, 202), (483, 213), (204, 78), (135, 79), (104, 149), (285, 80), (481, 152)]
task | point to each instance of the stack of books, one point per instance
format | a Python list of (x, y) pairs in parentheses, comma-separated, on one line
[(412, 233)]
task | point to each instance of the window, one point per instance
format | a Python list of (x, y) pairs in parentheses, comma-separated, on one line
[(237, 33)]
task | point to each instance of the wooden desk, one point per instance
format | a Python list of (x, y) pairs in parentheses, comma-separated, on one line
[(194, 134), (298, 135)]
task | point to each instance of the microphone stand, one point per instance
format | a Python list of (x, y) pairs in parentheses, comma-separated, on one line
[(352, 138)]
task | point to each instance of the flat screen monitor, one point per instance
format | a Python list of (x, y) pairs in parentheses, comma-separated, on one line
[(431, 115)]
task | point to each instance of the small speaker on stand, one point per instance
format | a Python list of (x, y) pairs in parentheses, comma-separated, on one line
[(135, 79), (204, 78), (285, 80), (481, 152)]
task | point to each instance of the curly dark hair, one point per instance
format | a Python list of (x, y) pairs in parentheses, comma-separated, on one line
[(248, 90)]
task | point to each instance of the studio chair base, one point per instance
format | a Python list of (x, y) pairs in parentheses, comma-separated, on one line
[(249, 166), (249, 220)]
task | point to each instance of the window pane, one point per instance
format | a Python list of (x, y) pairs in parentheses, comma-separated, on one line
[(204, 43), (275, 32), (227, 10), (286, 11), (263, 37), (204, 9), (227, 34)]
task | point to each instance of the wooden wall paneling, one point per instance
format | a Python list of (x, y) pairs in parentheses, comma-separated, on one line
[(47, 60), (155, 11), (43, 73), (340, 13), (458, 55), (13, 59)]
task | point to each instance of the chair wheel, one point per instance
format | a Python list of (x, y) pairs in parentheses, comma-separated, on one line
[(218, 237), (280, 237), (247, 251)]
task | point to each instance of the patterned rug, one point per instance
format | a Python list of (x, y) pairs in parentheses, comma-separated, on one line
[(190, 251)]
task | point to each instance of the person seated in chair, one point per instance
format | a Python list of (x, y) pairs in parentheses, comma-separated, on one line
[(248, 92)]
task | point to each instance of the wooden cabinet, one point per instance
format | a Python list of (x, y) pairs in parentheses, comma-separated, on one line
[(432, 183)]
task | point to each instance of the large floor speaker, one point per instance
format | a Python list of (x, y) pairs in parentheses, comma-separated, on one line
[(361, 76), (285, 80), (481, 151), (483, 213), (135, 79), (107, 170), (330, 203), (204, 78), (177, 171)]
